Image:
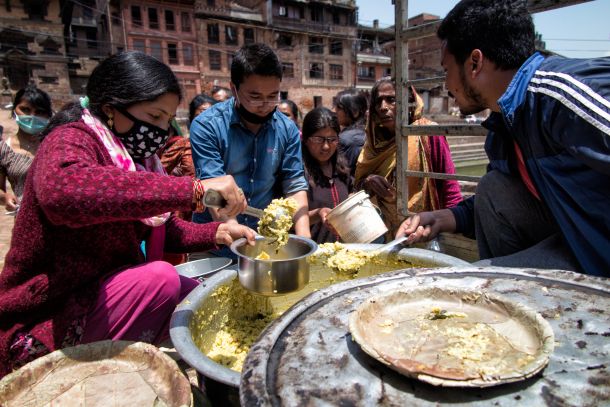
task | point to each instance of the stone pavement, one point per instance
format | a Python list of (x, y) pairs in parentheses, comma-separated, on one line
[(6, 231)]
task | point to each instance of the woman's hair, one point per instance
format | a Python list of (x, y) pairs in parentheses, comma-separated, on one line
[(198, 101), (121, 80), (502, 29), (293, 108), (38, 98), (354, 103), (318, 119)]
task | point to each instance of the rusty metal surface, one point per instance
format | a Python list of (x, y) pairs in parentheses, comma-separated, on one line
[(307, 357)]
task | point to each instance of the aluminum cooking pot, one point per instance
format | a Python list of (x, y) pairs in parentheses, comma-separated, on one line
[(286, 271)]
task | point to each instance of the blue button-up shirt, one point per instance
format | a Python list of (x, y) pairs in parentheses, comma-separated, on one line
[(265, 165)]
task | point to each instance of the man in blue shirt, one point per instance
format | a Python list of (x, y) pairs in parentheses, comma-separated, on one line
[(544, 200), (248, 138)]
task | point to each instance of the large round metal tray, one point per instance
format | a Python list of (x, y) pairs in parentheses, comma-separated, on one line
[(453, 336), (308, 357)]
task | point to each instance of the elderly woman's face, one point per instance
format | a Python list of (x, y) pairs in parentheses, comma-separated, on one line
[(385, 106)]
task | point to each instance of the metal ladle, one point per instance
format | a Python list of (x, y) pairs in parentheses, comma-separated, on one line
[(213, 199)]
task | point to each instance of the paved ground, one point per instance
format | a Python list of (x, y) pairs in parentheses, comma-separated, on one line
[(6, 222)]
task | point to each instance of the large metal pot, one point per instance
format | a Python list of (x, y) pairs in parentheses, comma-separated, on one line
[(286, 271), (222, 383)]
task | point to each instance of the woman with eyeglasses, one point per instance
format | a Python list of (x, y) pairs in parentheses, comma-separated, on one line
[(376, 167), (326, 170), (32, 111)]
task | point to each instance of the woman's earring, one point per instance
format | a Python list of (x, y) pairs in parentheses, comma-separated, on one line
[(110, 122)]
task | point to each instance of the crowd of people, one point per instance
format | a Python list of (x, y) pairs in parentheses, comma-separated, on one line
[(115, 171)]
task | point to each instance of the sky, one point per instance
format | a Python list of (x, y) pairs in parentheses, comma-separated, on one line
[(579, 31)]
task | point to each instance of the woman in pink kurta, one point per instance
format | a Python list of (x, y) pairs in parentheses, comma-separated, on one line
[(75, 272)]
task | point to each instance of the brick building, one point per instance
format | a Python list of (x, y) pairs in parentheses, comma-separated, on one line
[(167, 31), (314, 40), (373, 60), (32, 47)]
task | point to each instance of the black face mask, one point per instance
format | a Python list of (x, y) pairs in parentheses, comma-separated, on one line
[(253, 117), (143, 139)]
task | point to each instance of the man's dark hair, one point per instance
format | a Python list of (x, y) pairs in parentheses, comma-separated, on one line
[(502, 29), (355, 103), (254, 59)]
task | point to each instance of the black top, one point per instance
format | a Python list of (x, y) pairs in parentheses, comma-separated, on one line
[(351, 140)]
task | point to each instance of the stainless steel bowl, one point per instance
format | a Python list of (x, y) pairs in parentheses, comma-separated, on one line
[(285, 272), (203, 268)]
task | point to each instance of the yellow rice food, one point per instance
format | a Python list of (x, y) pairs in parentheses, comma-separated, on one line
[(277, 220)]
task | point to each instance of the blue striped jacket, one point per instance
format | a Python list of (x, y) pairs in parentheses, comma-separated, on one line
[(558, 111)]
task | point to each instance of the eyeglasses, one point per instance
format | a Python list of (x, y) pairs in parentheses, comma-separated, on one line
[(322, 140), (274, 101)]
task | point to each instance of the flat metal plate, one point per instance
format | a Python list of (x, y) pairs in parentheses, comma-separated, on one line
[(453, 336), (308, 357), (203, 268)]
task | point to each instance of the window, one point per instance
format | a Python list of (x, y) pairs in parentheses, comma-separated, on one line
[(229, 60), (336, 48), (187, 54), (213, 34), (316, 70), (284, 41), (317, 101), (49, 80), (317, 14), (282, 11), (156, 50), (283, 95), (336, 72), (215, 64), (288, 70), (136, 16), (116, 19), (139, 45), (153, 19), (316, 45), (170, 25), (230, 35), (388, 72), (249, 36), (172, 53), (336, 18), (185, 22), (366, 72), (91, 35), (211, 3)]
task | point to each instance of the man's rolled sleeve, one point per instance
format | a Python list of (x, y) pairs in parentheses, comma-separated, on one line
[(464, 217), (293, 175), (206, 141)]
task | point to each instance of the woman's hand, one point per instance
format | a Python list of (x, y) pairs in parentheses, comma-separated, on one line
[(230, 231), (425, 226), (379, 186), (318, 215), (11, 202), (226, 186)]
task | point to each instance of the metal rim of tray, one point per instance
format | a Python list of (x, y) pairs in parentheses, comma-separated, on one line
[(181, 319), (253, 383)]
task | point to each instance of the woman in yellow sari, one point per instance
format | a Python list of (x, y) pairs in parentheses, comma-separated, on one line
[(376, 167)]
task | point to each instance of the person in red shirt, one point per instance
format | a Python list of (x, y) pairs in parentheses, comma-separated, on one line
[(96, 189)]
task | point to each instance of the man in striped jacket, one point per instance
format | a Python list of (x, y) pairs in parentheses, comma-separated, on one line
[(545, 200)]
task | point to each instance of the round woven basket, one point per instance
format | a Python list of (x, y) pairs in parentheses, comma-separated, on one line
[(106, 373)]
